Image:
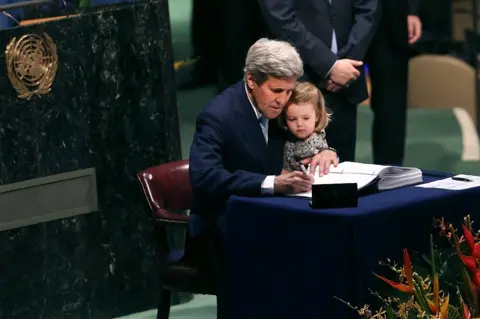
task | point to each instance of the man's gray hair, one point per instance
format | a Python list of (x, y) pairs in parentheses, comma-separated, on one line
[(272, 58)]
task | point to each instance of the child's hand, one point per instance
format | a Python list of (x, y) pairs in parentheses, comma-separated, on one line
[(322, 161), (306, 161)]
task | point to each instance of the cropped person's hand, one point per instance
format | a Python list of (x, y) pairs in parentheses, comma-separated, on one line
[(322, 160), (414, 28), (332, 87), (345, 71), (292, 183)]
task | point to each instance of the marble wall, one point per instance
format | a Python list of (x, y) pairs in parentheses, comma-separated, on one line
[(112, 107)]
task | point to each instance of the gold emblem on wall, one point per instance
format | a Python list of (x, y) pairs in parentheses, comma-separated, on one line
[(32, 63)]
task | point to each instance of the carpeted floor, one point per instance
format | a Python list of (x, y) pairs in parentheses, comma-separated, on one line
[(434, 142)]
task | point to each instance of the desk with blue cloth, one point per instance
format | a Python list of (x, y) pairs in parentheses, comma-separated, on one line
[(287, 260)]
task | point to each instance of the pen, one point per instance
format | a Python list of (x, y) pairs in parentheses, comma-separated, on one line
[(303, 169), (461, 179)]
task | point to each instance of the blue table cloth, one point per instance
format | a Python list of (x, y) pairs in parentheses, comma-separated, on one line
[(287, 260)]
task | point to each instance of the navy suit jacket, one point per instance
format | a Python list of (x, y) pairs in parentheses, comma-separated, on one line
[(229, 155), (309, 24)]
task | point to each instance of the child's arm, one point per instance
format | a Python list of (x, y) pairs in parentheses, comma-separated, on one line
[(286, 158), (321, 142)]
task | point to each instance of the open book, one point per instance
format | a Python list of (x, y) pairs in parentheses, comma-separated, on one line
[(385, 177)]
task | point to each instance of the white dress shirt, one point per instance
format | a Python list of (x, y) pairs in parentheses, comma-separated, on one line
[(334, 47)]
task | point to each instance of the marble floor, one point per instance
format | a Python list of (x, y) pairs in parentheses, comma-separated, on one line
[(434, 142)]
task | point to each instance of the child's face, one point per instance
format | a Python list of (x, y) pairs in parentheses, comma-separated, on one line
[(301, 119)]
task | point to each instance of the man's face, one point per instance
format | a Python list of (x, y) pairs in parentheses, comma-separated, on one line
[(272, 95)]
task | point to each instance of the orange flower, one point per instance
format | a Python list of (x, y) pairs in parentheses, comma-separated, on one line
[(407, 270), (444, 308)]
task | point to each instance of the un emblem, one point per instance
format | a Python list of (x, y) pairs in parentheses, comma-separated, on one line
[(32, 63)]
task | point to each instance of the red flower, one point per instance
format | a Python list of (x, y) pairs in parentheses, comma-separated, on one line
[(466, 312), (407, 270), (470, 262)]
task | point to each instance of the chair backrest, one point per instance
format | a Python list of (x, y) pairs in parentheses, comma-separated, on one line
[(167, 188), (441, 82)]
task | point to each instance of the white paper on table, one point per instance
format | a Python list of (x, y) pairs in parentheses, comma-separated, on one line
[(449, 183), (346, 172)]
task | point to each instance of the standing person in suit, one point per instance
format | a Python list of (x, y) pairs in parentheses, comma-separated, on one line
[(387, 58), (206, 30), (242, 25), (332, 37)]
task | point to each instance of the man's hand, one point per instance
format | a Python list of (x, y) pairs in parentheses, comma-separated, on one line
[(332, 87), (414, 28), (292, 183), (344, 71), (322, 160)]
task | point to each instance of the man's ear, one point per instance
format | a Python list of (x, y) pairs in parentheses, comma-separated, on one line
[(250, 82)]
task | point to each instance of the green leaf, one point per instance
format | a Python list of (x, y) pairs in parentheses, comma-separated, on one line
[(420, 294), (389, 312), (453, 313), (470, 296), (432, 255)]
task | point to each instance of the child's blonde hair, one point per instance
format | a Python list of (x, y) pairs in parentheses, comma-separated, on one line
[(306, 92)]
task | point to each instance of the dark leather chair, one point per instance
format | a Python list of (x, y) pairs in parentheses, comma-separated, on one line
[(168, 192)]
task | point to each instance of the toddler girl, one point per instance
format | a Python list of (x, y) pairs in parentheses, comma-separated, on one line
[(305, 117)]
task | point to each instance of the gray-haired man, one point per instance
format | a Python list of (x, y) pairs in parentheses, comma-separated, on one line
[(238, 147)]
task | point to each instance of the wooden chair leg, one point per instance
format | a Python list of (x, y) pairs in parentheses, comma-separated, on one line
[(163, 311)]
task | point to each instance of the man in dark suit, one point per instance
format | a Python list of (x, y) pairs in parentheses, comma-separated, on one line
[(238, 146), (387, 59), (332, 38)]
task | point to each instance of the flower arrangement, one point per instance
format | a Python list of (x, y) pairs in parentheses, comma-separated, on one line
[(449, 289)]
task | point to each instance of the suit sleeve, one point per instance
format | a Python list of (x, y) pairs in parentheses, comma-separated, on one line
[(414, 7), (363, 29), (281, 19), (207, 172)]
